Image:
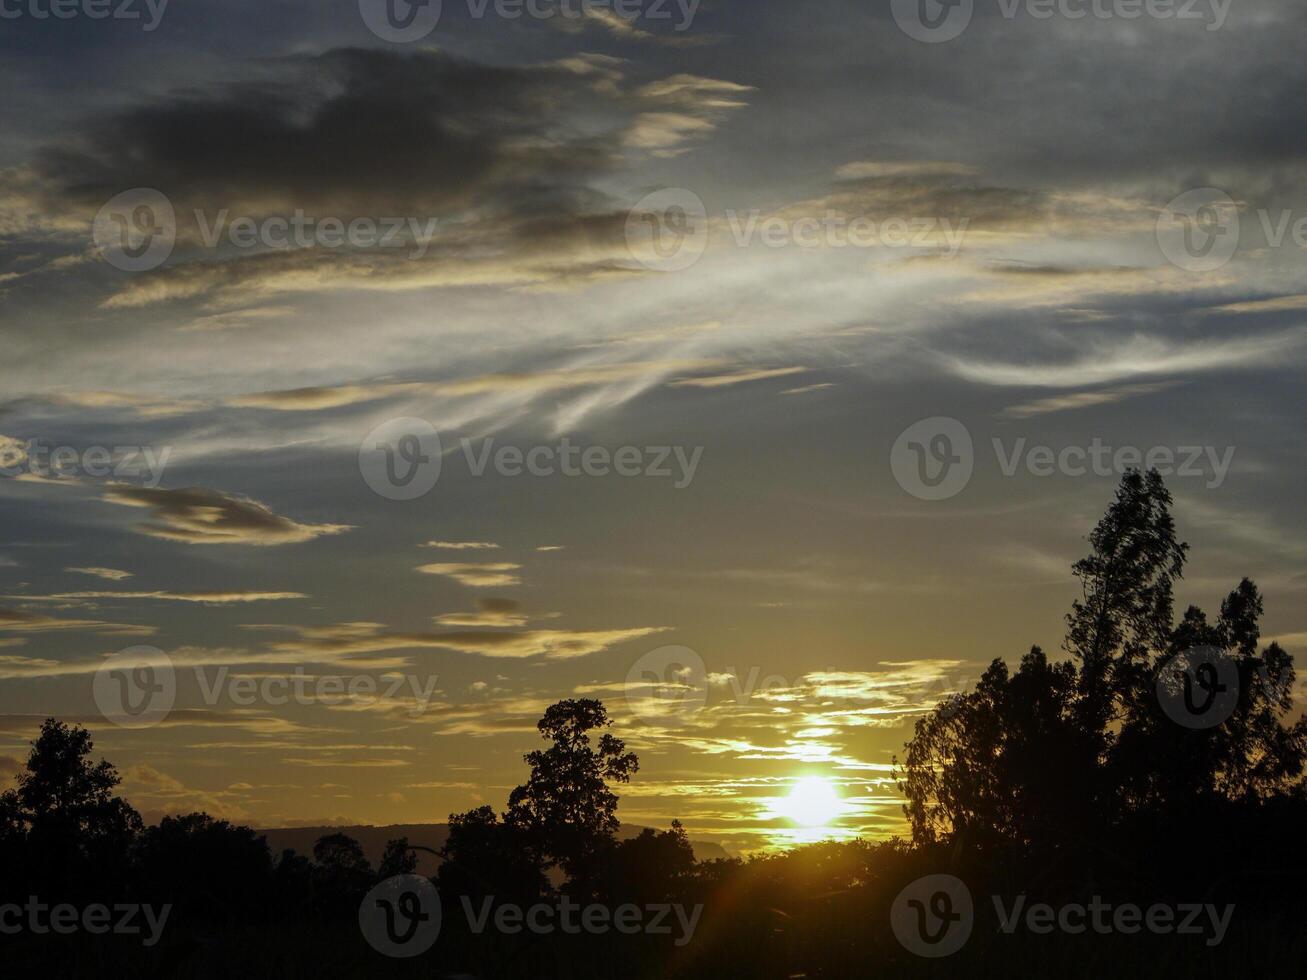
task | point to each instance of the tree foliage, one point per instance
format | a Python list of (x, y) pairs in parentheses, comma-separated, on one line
[(1054, 755)]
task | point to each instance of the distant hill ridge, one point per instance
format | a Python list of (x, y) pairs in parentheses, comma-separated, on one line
[(373, 841)]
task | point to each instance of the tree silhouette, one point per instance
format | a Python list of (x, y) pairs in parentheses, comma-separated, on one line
[(1003, 764), (650, 867), (1252, 757), (484, 856), (397, 859), (565, 809), (63, 816), (1057, 755), (1126, 607), (208, 868)]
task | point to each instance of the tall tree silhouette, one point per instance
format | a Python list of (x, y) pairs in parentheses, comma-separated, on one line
[(1126, 607), (566, 808)]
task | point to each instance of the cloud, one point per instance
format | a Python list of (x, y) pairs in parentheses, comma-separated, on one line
[(1276, 304), (317, 399), (552, 644), (488, 575), (519, 150), (238, 319), (21, 621), (387, 119), (525, 384), (462, 545), (143, 405), (201, 516), (13, 452), (490, 612), (206, 598), (1117, 360), (1083, 399), (112, 574), (736, 377), (689, 107), (156, 795), (878, 169), (624, 28)]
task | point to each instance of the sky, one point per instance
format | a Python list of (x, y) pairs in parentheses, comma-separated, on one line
[(756, 367)]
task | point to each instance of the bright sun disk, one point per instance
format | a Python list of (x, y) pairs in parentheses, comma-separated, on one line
[(813, 802)]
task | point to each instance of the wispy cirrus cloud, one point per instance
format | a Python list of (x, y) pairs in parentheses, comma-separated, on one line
[(1108, 361)]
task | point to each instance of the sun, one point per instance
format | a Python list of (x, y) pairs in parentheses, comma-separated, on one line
[(813, 802)]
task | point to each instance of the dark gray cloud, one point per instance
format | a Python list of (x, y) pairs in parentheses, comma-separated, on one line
[(350, 131)]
